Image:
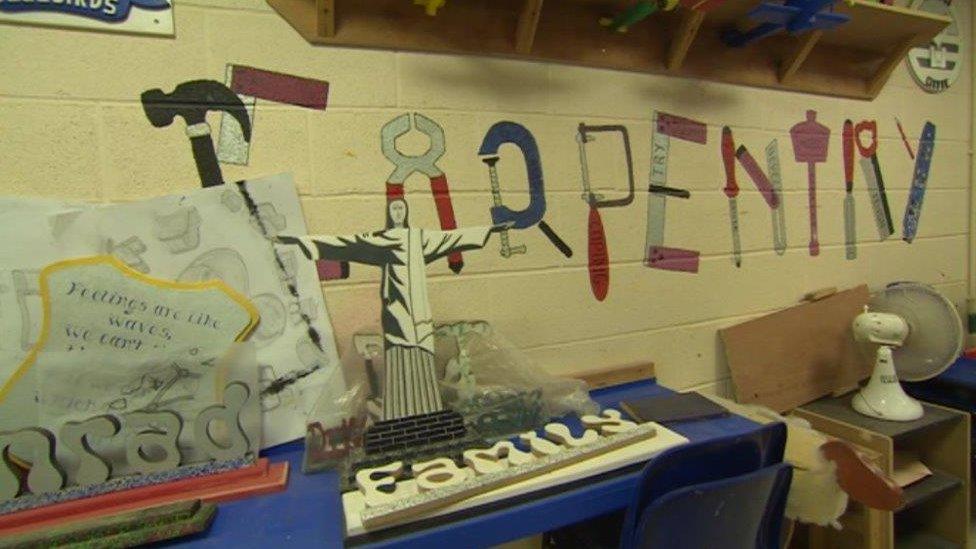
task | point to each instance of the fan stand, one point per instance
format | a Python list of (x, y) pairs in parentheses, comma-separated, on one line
[(883, 397)]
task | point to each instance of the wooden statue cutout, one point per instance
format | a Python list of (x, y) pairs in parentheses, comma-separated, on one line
[(403, 253)]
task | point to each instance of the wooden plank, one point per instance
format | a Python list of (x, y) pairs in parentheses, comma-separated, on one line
[(528, 22), (325, 15), (797, 355), (691, 21), (792, 63), (606, 377), (353, 502), (894, 58)]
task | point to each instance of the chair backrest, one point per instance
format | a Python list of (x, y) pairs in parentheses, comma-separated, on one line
[(703, 462), (741, 512)]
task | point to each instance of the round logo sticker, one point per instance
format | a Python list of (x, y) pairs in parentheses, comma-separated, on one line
[(937, 65)]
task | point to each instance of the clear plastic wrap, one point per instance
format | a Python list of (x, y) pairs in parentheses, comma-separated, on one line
[(335, 426), (496, 387)]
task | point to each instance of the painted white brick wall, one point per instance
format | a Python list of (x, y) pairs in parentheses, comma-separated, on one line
[(71, 125)]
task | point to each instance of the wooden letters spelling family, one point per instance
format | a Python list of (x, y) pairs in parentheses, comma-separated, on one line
[(439, 482), (150, 445)]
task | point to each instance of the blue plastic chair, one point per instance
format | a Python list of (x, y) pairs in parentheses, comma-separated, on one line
[(741, 512), (701, 463)]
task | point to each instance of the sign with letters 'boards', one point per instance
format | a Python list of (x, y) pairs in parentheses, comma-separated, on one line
[(128, 16)]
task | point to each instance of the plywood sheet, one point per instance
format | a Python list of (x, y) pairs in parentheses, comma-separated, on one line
[(797, 355)]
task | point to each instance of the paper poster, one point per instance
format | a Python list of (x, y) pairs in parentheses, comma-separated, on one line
[(21, 261), (225, 233), (153, 17), (114, 341)]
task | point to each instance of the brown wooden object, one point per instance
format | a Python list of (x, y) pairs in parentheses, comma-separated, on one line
[(854, 60), (799, 354)]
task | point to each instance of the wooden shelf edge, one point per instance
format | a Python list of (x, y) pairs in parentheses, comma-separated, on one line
[(894, 58), (528, 21), (691, 21), (325, 17), (929, 488), (791, 64)]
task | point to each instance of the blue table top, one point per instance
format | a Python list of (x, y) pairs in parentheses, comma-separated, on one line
[(309, 512), (955, 387)]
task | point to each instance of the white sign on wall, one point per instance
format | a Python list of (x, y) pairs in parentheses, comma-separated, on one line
[(128, 16), (936, 66)]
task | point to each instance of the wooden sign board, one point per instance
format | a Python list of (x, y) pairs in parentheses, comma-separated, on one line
[(489, 475), (153, 17), (797, 355)]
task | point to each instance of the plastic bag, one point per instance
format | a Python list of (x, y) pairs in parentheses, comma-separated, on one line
[(493, 385), (498, 389), (336, 425)]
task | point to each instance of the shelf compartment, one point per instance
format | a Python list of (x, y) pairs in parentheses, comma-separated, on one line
[(930, 487)]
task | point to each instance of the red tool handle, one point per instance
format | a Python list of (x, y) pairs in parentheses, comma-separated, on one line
[(758, 176), (599, 256), (848, 139), (445, 214), (866, 126), (728, 159)]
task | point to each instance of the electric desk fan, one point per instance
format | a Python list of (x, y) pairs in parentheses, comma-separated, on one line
[(919, 334)]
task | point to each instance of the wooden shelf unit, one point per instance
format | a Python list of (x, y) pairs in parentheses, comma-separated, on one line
[(936, 510), (854, 60)]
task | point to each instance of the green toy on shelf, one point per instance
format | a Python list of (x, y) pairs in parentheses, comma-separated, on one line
[(430, 6), (637, 13)]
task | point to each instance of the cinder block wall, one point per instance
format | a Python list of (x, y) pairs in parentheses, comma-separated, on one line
[(71, 126)]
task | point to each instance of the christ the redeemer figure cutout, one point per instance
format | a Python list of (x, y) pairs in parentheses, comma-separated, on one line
[(402, 253)]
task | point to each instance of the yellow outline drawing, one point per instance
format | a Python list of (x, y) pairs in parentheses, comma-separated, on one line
[(132, 273)]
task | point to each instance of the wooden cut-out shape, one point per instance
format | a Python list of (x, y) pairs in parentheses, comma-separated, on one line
[(516, 456), (609, 422), (438, 473), (45, 474), (494, 486), (497, 458), (540, 446), (9, 482), (379, 484), (235, 396), (92, 468), (558, 432), (146, 430)]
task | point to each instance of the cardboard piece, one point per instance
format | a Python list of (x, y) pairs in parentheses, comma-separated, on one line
[(908, 469), (797, 355)]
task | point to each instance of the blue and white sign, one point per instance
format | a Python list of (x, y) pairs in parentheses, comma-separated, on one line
[(129, 16)]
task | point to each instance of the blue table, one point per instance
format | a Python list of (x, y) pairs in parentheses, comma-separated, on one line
[(955, 387), (309, 512)]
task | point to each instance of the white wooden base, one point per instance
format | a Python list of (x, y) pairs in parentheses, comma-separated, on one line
[(354, 504)]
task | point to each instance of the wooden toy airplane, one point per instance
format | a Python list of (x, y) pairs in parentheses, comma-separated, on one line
[(794, 16)]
